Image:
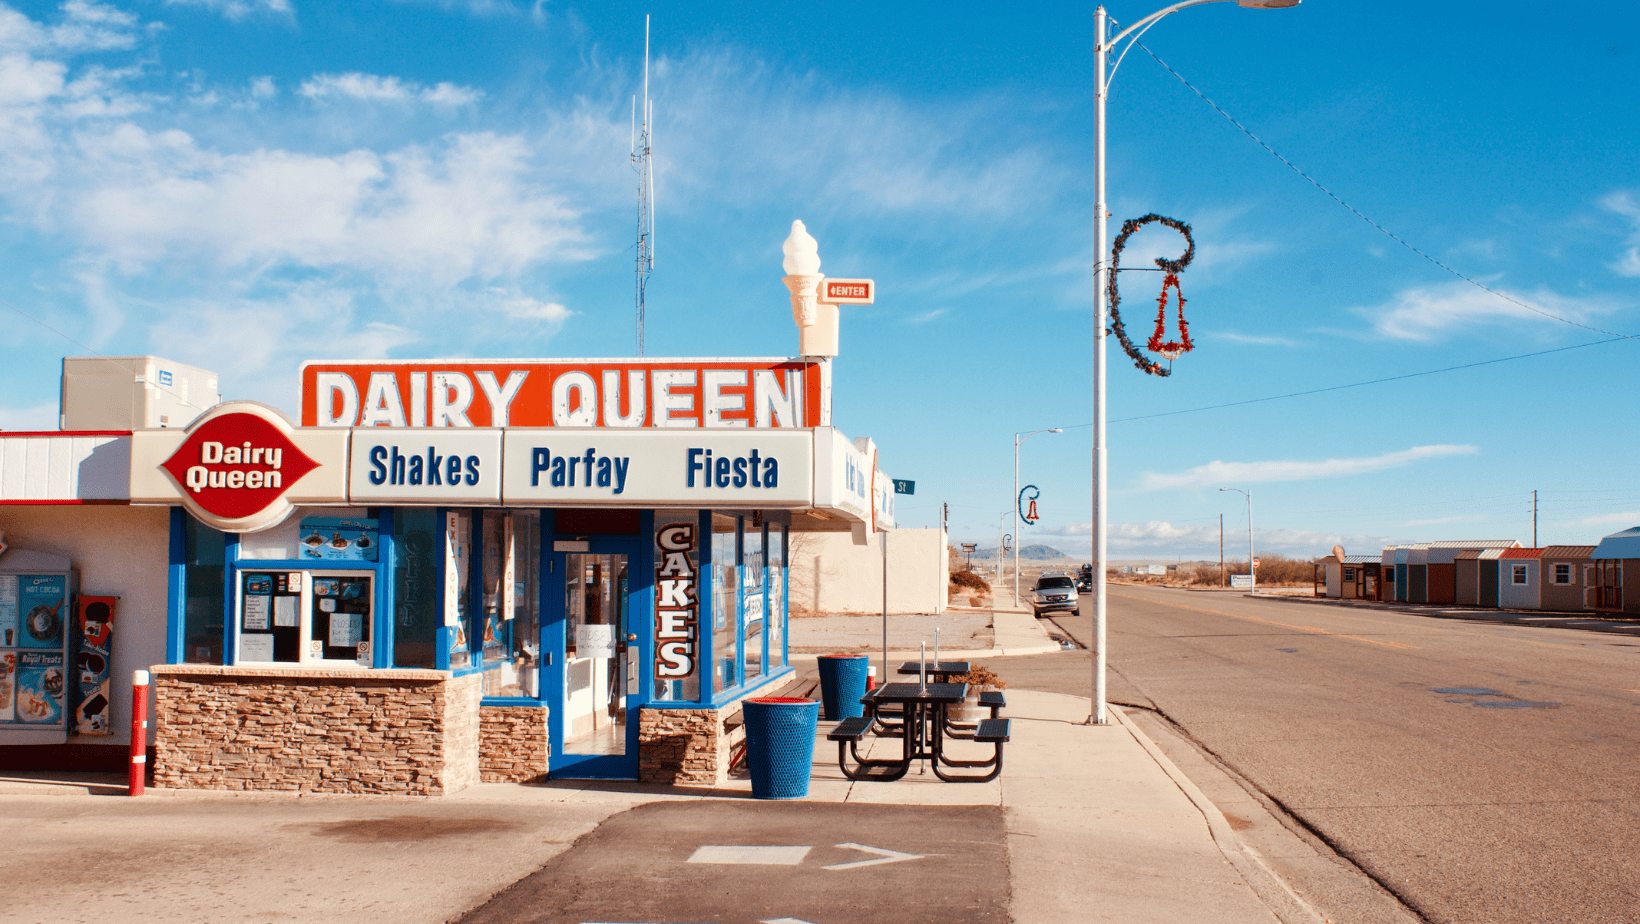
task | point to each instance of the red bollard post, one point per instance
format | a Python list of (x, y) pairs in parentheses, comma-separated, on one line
[(139, 732)]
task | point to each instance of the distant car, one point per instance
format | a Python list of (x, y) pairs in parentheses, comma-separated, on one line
[(1054, 593), (1084, 580)]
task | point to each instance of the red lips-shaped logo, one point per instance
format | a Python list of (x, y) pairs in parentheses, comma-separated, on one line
[(235, 465)]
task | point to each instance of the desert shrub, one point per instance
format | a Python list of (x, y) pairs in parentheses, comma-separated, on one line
[(981, 676), (971, 580)]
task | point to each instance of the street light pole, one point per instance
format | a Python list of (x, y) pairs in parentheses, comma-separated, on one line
[(1101, 283), (1018, 438), (1252, 573)]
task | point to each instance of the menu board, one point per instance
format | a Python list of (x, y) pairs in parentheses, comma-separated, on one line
[(8, 611), (339, 538), (36, 626)]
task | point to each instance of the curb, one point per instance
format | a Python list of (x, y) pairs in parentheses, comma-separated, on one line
[(1538, 618), (1274, 891)]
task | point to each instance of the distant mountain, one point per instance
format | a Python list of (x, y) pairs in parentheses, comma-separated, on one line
[(1026, 553)]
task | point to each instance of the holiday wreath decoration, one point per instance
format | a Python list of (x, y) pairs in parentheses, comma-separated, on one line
[(1167, 349)]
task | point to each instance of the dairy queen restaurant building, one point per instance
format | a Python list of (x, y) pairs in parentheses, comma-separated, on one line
[(444, 572)]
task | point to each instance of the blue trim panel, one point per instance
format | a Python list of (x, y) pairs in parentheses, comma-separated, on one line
[(176, 588)]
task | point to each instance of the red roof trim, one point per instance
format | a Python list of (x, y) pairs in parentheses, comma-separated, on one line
[(88, 502), (1521, 553), (39, 433)]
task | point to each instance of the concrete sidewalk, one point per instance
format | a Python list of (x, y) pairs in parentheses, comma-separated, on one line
[(1101, 826)]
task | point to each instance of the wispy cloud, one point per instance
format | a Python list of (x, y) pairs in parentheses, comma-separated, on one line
[(1255, 340), (1217, 472), (1623, 203), (239, 9), (1164, 539), (373, 88), (84, 27), (1621, 520), (1436, 521), (926, 316), (1431, 313)]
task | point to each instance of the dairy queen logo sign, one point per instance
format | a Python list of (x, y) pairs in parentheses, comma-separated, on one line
[(235, 466)]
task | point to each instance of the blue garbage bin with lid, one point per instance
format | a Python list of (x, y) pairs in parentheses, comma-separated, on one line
[(780, 745), (842, 684)]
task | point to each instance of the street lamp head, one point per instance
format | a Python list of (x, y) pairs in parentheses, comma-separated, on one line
[(1057, 430), (1266, 4)]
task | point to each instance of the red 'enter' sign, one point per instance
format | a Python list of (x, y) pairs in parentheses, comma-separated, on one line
[(848, 291)]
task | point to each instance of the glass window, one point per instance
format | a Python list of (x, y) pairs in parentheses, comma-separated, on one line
[(202, 591), (497, 579), (415, 587), (458, 568), (1563, 574), (777, 596), (1520, 574), (524, 631), (752, 601), (724, 587)]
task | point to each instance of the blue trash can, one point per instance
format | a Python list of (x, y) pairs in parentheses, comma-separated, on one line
[(780, 745), (842, 683)]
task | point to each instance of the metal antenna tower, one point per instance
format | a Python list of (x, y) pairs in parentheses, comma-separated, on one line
[(642, 140)]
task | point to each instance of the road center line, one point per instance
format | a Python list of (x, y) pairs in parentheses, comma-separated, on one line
[(1270, 622)]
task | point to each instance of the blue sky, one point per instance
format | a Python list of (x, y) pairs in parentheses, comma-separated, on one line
[(245, 184)]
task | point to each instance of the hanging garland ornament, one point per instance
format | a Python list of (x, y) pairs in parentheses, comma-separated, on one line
[(1167, 349)]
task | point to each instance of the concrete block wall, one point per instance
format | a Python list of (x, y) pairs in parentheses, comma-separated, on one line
[(513, 745), (400, 732)]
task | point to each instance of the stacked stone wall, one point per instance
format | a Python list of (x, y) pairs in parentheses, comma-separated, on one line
[(405, 732), (681, 747), (514, 746)]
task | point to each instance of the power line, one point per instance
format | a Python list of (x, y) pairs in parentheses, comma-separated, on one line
[(1380, 228), (1393, 378)]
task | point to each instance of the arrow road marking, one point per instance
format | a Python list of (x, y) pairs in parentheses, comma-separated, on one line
[(883, 856)]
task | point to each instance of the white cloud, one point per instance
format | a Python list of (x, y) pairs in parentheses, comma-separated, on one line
[(1623, 203), (1622, 520), (1255, 340), (1428, 314), (239, 9), (84, 27), (1163, 539), (926, 316), (1217, 472), (264, 88), (373, 88), (525, 308)]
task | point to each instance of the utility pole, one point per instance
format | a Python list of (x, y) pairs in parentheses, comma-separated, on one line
[(1534, 519), (1221, 549)]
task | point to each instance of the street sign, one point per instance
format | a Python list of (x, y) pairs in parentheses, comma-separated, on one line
[(848, 291), (1241, 580), (1255, 563), (969, 546), (902, 486)]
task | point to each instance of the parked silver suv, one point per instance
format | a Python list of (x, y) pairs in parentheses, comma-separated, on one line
[(1054, 593)]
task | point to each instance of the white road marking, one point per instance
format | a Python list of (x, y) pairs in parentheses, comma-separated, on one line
[(756, 856), (787, 921), (883, 856)]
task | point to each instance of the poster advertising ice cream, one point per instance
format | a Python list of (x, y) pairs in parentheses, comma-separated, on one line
[(339, 539), (93, 664), (42, 605), (8, 686), (41, 686), (9, 626)]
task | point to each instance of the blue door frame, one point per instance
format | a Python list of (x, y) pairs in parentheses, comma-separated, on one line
[(639, 601)]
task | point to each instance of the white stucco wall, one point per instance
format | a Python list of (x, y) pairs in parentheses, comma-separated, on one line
[(119, 551), (830, 574)]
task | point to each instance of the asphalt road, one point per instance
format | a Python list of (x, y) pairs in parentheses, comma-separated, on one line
[(1480, 772), (749, 862)]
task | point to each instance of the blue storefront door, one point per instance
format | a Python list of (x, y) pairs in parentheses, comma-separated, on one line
[(593, 682)]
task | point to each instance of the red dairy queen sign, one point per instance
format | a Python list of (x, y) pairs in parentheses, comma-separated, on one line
[(663, 393), (236, 467)]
